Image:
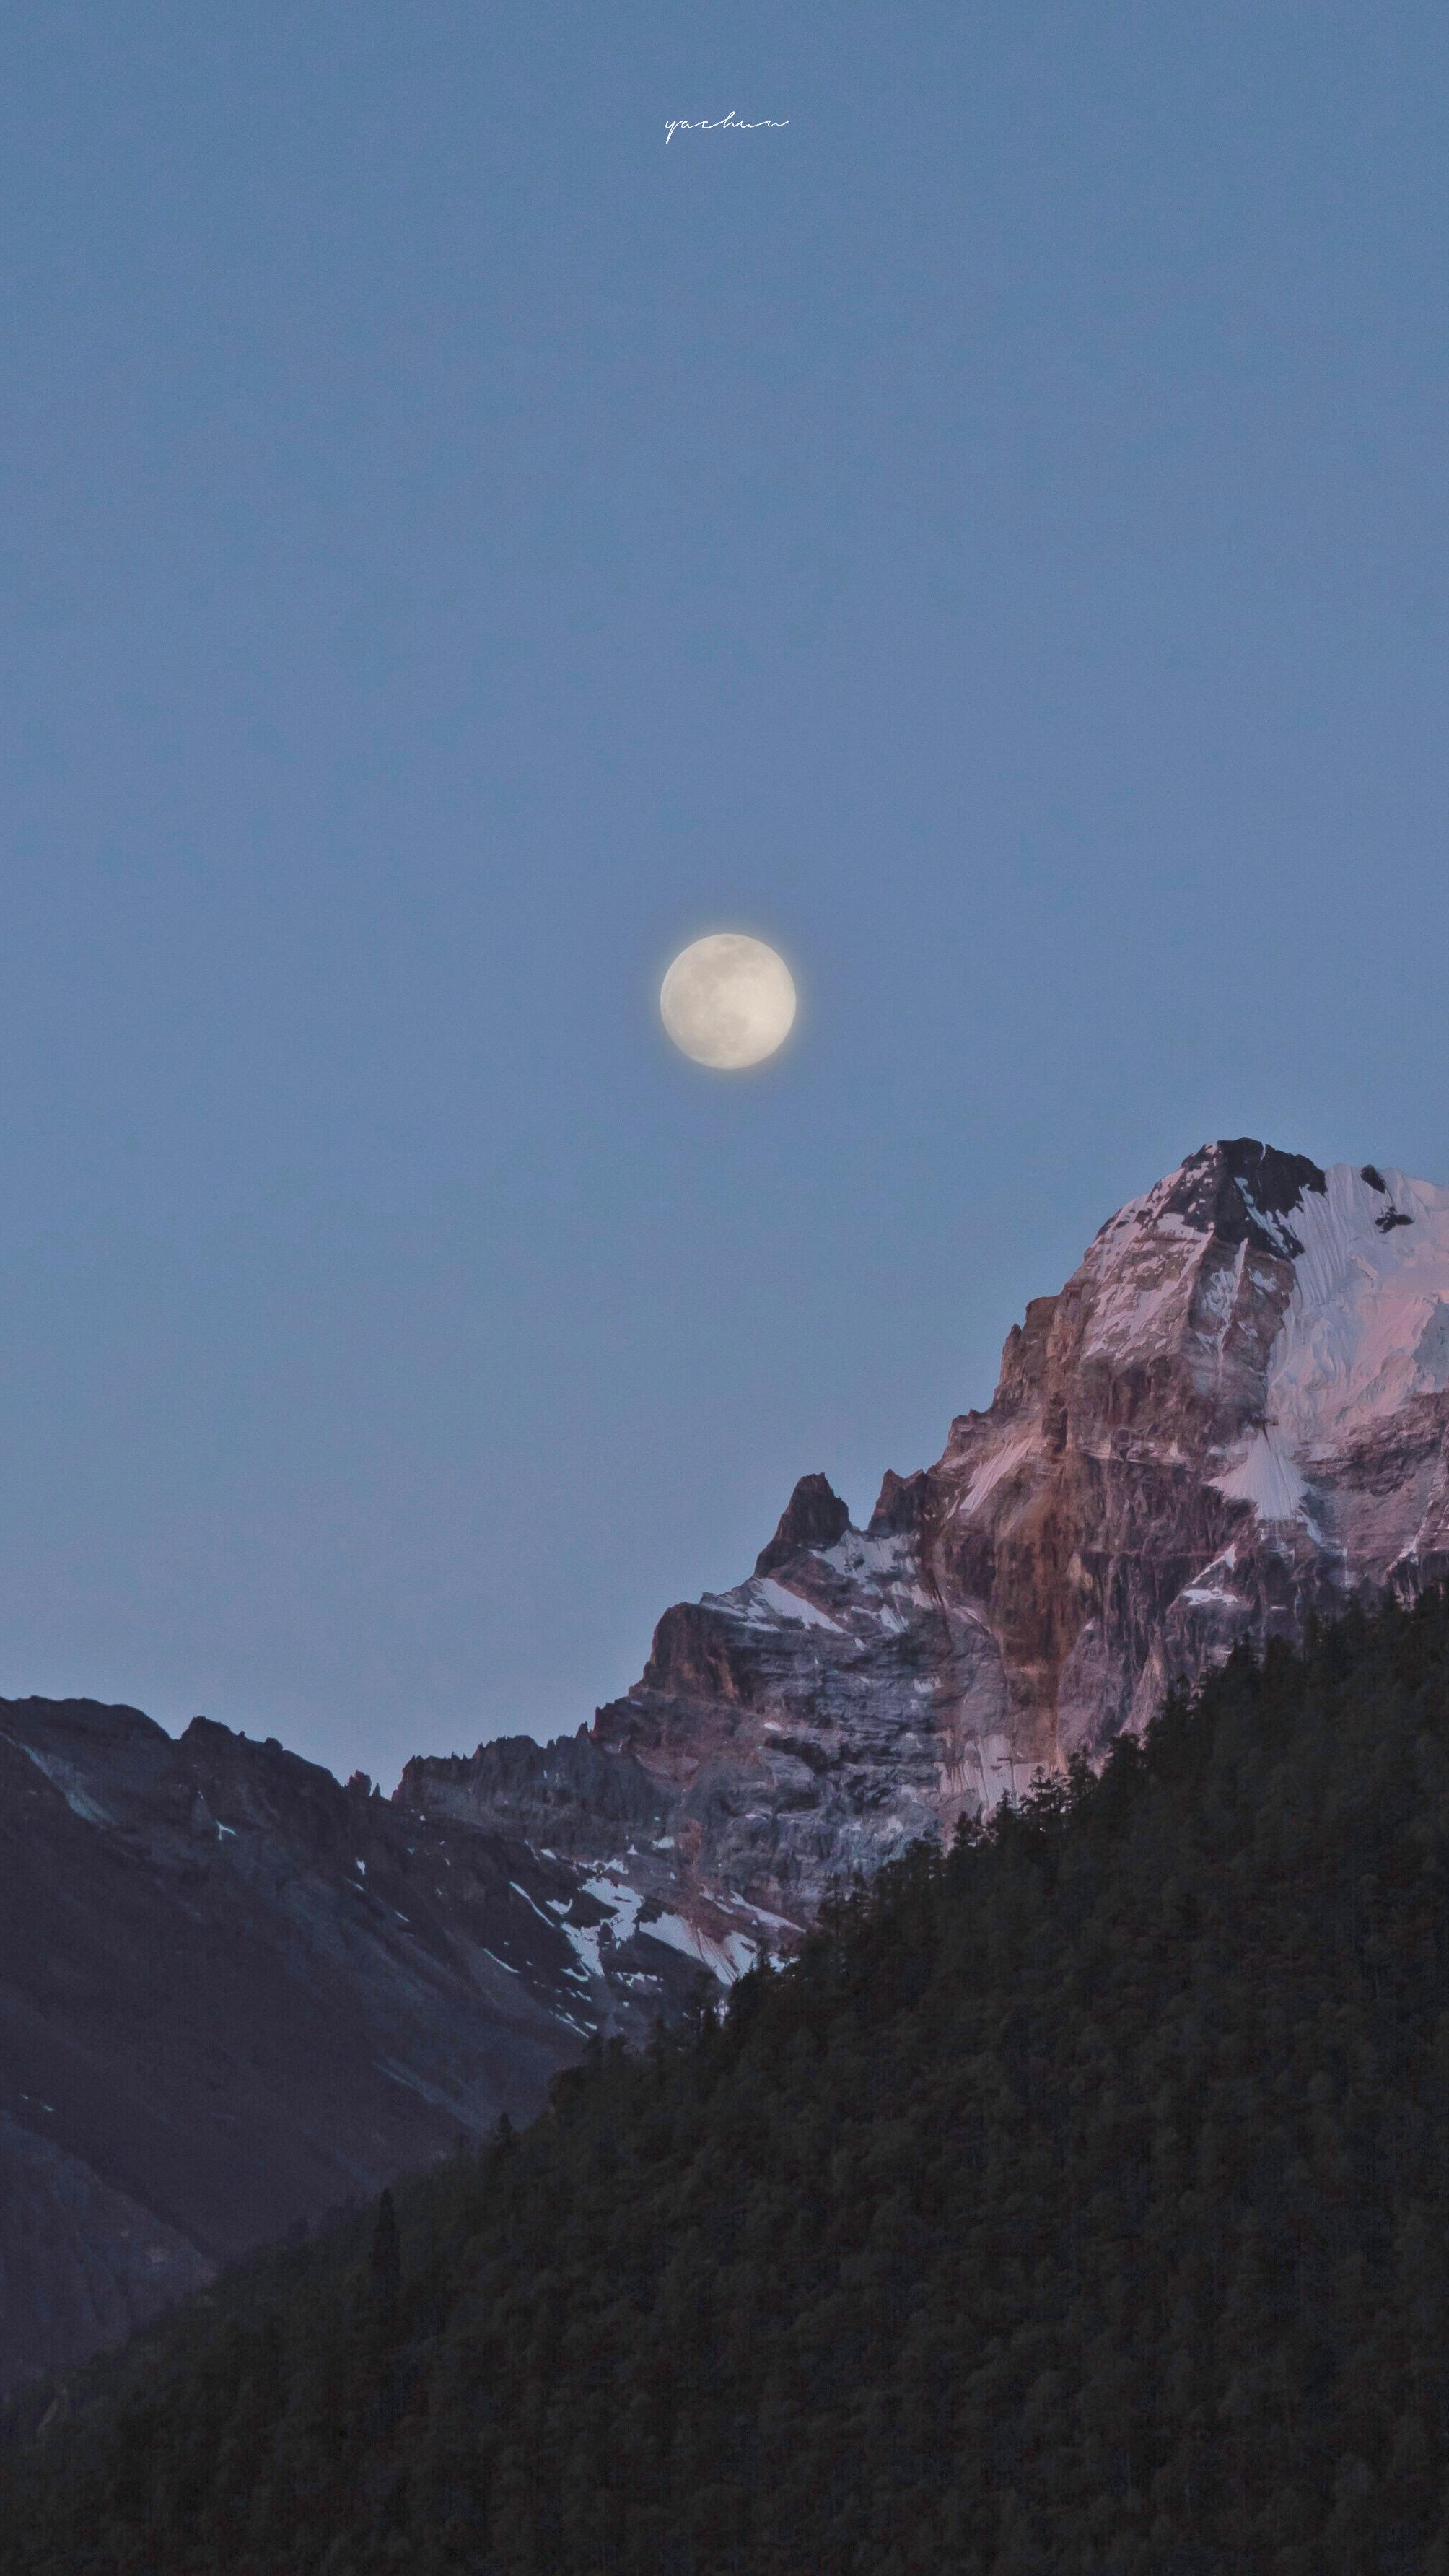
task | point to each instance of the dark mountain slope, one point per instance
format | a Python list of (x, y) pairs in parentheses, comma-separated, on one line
[(1078, 2201), (234, 1994)]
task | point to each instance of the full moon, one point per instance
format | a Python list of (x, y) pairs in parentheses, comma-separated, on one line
[(728, 1001)]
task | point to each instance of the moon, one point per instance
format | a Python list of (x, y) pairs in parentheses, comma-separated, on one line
[(728, 1001)]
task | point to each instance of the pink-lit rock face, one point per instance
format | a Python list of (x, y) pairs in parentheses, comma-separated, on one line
[(1233, 1414)]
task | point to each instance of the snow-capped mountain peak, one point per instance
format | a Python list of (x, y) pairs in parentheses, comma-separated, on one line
[(1233, 1412)]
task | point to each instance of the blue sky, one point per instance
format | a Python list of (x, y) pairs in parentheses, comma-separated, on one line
[(986, 537)]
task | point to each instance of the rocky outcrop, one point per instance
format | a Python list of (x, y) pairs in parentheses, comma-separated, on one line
[(814, 1517), (1232, 1415)]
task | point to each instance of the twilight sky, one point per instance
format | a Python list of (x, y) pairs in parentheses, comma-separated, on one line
[(986, 538)]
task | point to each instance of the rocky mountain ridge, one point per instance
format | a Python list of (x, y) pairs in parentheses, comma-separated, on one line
[(234, 1994), (1233, 1415)]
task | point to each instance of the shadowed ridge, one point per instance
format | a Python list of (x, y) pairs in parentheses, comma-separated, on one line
[(814, 1517)]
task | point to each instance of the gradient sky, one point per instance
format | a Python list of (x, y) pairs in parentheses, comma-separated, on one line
[(987, 538)]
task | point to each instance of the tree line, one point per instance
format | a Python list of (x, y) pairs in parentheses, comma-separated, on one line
[(1078, 2200)]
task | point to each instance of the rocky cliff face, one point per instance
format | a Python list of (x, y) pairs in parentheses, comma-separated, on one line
[(234, 1994), (1233, 1414)]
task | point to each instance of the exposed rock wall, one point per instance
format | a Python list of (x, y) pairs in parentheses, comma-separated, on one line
[(1233, 1414)]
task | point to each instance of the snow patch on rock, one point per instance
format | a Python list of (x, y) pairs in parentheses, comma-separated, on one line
[(791, 1605), (1267, 1476), (1367, 1324), (60, 1777), (727, 1958)]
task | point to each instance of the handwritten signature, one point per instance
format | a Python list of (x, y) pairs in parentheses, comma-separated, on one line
[(715, 124)]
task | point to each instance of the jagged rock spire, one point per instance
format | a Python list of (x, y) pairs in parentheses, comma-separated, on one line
[(814, 1517)]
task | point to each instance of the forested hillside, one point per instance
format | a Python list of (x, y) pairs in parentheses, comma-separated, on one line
[(1078, 2202)]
